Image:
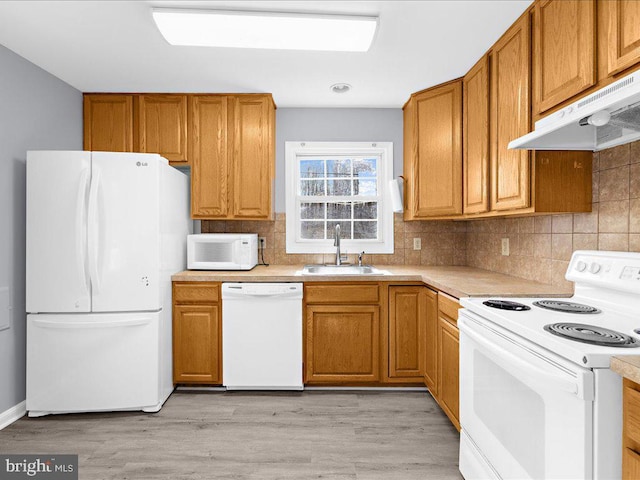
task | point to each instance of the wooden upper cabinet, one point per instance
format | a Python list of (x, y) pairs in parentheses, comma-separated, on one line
[(510, 117), (209, 156), (434, 184), (232, 145), (564, 50), (108, 122), (252, 133), (475, 134), (619, 35), (162, 126)]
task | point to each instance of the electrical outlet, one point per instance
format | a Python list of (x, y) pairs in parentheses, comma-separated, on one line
[(262, 242), (417, 243), (505, 247)]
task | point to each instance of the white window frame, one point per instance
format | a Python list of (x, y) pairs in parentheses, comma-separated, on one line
[(295, 150)]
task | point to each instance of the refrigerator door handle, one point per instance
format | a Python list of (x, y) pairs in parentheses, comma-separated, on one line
[(94, 231), (133, 322), (81, 229)]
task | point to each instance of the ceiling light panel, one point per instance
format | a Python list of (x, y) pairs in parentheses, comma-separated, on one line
[(266, 30)]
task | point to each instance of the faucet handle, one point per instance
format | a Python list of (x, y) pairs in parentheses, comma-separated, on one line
[(360, 258)]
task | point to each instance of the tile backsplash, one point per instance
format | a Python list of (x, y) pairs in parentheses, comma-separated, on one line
[(540, 246), (443, 243)]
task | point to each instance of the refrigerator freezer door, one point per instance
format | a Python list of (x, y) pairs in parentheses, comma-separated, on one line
[(124, 231), (93, 362), (57, 188)]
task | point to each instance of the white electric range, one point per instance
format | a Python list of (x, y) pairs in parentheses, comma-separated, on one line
[(536, 403)]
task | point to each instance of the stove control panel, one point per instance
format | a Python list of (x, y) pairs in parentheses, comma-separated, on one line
[(630, 273), (614, 270)]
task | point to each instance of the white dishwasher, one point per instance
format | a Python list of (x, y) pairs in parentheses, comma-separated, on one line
[(262, 336)]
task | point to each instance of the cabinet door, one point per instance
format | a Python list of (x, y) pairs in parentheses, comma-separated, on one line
[(435, 177), (510, 117), (407, 324), (252, 143), (620, 34), (475, 134), (564, 50), (108, 123), (162, 126), (209, 156), (431, 342), (448, 372), (342, 344), (197, 344)]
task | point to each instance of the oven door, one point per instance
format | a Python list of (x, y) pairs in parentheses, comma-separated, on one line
[(524, 411)]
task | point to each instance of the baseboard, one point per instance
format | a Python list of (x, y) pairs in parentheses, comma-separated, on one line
[(14, 413)]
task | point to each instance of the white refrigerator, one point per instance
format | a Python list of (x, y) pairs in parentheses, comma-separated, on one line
[(105, 232)]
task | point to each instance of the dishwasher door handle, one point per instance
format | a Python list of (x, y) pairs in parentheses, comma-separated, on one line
[(246, 291)]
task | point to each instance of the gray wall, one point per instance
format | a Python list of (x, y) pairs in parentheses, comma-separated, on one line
[(37, 111), (339, 125)]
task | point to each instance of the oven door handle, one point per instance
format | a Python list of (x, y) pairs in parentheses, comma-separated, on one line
[(516, 366)]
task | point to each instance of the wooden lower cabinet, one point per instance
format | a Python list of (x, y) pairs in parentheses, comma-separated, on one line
[(342, 343), (197, 333), (448, 391), (411, 336), (630, 430), (342, 333), (409, 316), (431, 342), (630, 464)]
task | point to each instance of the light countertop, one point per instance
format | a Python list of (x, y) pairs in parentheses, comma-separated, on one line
[(455, 281), (627, 367)]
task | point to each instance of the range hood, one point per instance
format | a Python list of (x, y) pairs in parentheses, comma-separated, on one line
[(604, 119)]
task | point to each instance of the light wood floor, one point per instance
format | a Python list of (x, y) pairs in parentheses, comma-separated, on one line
[(257, 436)]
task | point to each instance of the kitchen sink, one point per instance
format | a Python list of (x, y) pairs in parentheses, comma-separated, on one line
[(347, 269)]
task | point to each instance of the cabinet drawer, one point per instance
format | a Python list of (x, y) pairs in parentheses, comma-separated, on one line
[(342, 293), (630, 464), (448, 306), (197, 292)]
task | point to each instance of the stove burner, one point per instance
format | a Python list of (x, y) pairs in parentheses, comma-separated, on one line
[(506, 305), (592, 335), (567, 307)]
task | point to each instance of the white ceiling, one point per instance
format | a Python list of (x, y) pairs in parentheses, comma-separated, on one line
[(114, 46)]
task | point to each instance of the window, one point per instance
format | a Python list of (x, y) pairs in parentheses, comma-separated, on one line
[(344, 184)]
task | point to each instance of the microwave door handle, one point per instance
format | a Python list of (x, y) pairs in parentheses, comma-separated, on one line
[(516, 366), (237, 245)]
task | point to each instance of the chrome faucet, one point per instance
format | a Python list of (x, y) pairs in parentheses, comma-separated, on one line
[(336, 243)]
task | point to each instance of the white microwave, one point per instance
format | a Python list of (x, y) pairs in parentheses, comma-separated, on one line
[(222, 251)]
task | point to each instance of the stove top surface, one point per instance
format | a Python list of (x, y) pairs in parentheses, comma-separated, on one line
[(601, 317), (530, 324)]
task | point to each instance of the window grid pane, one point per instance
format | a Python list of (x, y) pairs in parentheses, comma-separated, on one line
[(338, 190)]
